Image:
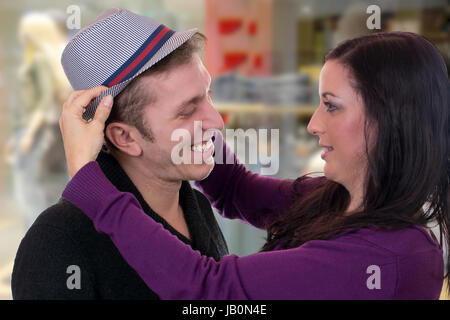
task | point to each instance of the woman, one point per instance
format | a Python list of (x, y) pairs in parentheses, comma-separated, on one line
[(358, 233)]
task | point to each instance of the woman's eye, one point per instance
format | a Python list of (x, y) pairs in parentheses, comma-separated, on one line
[(330, 107)]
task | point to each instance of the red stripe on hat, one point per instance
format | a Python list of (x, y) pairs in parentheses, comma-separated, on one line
[(139, 58)]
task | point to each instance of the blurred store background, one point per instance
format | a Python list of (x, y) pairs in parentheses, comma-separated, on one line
[(264, 55)]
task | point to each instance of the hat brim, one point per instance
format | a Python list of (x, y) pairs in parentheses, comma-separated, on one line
[(176, 40)]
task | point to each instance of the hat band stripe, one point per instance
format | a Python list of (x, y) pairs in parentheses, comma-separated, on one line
[(148, 49)]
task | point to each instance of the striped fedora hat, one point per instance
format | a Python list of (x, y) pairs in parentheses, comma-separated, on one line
[(114, 49)]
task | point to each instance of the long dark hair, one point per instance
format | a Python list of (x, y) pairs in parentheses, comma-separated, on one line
[(404, 84)]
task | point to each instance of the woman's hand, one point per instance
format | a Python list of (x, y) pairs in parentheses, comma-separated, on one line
[(83, 140)]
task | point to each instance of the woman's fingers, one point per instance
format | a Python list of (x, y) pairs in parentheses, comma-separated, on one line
[(82, 140), (103, 110), (74, 95), (79, 100)]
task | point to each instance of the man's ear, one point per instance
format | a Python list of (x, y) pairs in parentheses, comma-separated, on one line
[(124, 137)]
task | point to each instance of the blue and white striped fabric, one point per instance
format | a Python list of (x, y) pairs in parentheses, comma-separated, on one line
[(114, 49)]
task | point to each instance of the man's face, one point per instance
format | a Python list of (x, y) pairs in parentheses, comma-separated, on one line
[(182, 101)]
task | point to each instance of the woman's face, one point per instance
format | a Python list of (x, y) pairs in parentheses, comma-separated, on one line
[(339, 124)]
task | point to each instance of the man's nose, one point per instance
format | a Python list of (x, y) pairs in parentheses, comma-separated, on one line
[(211, 118)]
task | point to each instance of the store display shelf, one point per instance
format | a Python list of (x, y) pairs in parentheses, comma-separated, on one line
[(252, 108)]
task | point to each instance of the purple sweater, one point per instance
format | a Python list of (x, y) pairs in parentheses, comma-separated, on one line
[(368, 264)]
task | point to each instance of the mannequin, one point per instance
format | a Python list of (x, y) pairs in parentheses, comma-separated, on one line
[(40, 172)]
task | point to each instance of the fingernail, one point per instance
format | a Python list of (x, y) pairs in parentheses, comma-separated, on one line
[(108, 101)]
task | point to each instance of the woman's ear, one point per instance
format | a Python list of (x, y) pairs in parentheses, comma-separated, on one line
[(123, 137)]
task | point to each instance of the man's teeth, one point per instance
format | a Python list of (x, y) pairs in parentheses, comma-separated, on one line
[(202, 147)]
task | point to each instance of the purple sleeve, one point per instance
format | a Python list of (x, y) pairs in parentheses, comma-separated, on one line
[(238, 193), (174, 271)]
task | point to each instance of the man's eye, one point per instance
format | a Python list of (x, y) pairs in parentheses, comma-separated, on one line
[(330, 107), (187, 114)]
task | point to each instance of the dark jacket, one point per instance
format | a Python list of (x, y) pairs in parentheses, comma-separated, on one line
[(63, 257)]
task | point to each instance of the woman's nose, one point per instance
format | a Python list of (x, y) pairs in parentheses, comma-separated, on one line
[(314, 126)]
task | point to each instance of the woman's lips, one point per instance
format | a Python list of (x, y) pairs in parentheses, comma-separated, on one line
[(327, 151)]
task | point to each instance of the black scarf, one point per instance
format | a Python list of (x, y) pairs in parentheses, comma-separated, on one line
[(205, 233)]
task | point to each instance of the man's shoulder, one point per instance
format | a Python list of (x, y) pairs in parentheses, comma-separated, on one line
[(61, 232), (65, 217), (63, 236)]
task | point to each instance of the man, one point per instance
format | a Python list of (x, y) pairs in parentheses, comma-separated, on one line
[(160, 85)]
